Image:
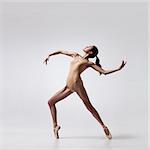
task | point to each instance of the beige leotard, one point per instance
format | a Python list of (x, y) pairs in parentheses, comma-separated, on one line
[(77, 66)]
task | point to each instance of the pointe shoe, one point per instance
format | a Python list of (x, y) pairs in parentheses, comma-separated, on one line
[(56, 132), (107, 132)]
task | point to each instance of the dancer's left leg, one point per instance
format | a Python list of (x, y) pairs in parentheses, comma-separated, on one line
[(83, 95)]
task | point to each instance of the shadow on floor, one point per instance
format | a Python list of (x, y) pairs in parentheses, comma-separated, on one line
[(124, 137), (82, 137), (115, 137)]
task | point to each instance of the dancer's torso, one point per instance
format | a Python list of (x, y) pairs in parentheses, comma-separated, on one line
[(77, 66)]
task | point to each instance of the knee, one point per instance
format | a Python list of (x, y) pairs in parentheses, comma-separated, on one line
[(50, 102)]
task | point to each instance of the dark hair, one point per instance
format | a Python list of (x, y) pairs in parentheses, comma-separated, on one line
[(94, 54), (97, 63)]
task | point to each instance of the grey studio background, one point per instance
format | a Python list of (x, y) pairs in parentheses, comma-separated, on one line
[(30, 32)]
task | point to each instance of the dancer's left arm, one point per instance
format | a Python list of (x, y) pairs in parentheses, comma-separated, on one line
[(105, 72)]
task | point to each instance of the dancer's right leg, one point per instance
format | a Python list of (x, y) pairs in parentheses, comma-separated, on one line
[(54, 99)]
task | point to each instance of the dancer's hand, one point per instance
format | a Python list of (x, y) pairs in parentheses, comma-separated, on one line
[(122, 65), (46, 60)]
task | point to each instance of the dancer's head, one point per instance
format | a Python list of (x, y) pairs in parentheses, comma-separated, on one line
[(92, 52)]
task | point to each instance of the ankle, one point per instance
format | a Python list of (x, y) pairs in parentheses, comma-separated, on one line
[(55, 125)]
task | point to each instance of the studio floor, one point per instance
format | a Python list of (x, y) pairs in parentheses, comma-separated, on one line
[(77, 139)]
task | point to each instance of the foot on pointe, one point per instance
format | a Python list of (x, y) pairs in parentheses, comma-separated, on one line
[(107, 132), (56, 131)]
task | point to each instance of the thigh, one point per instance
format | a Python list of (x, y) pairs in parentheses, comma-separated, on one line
[(81, 91), (61, 94)]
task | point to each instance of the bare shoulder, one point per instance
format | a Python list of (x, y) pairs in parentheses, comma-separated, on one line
[(76, 54), (90, 63)]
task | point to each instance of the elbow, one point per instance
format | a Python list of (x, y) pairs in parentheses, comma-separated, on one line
[(59, 52), (105, 72)]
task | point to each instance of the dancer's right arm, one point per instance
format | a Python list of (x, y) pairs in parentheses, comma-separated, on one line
[(68, 53)]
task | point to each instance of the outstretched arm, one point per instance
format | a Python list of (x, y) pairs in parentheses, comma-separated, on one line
[(105, 72), (68, 53)]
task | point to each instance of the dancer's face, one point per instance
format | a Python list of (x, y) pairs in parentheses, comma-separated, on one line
[(88, 49)]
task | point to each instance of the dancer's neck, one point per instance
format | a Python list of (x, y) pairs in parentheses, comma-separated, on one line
[(85, 56)]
